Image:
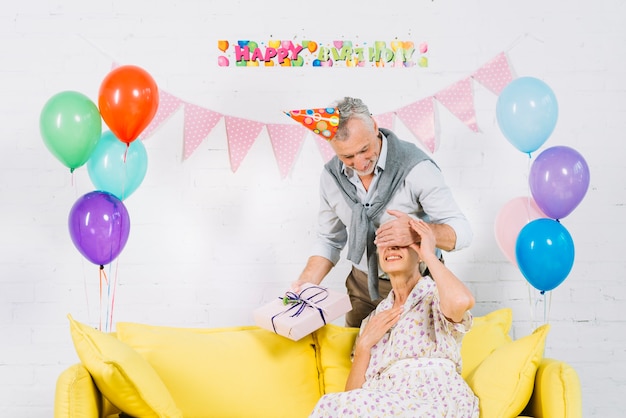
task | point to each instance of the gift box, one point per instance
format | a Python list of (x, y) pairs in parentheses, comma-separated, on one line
[(296, 315)]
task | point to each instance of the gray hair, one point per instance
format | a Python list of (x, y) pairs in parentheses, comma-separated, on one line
[(351, 108)]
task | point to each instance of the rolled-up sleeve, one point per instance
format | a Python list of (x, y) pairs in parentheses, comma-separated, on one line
[(332, 234), (425, 186)]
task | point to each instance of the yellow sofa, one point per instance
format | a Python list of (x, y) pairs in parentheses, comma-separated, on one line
[(155, 371)]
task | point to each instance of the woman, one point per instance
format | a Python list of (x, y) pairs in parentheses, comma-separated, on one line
[(407, 359)]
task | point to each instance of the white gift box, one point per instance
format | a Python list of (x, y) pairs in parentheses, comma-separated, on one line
[(298, 314)]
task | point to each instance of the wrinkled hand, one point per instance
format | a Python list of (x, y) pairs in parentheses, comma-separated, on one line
[(426, 244), (396, 232), (377, 326)]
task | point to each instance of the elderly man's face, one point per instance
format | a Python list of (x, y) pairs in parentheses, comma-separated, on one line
[(361, 149)]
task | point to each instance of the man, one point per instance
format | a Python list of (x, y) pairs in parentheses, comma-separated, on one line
[(368, 193)]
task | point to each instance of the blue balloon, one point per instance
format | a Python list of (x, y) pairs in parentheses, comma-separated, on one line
[(116, 167), (544, 251), (526, 112)]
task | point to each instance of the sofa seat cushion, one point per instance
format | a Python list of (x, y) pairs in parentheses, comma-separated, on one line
[(230, 372)]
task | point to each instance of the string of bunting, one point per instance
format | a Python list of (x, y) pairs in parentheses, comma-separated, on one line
[(287, 139)]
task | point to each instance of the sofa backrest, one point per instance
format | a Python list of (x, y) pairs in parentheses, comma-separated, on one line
[(230, 372)]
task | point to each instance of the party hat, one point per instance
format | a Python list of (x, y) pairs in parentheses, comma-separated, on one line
[(321, 121)]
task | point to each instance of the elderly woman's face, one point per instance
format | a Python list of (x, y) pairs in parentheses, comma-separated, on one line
[(397, 259)]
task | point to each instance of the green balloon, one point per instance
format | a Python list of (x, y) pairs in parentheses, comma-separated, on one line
[(70, 125)]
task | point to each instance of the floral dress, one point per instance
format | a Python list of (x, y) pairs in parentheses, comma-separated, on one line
[(414, 370)]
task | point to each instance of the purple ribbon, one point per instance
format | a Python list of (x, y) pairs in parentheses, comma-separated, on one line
[(307, 298)]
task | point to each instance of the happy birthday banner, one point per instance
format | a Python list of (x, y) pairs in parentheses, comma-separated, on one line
[(287, 139), (249, 53)]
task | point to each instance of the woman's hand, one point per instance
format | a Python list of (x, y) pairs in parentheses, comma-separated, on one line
[(427, 241), (377, 326)]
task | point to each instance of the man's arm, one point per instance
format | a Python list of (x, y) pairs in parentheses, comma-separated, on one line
[(428, 190), (317, 267)]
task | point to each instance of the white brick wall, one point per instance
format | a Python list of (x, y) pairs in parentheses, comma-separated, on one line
[(208, 245)]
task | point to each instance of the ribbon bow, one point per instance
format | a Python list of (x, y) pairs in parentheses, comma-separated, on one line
[(300, 301)]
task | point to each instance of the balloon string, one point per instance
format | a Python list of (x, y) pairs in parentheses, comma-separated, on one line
[(123, 196), (103, 279), (100, 293), (113, 295), (546, 315), (106, 324), (530, 306)]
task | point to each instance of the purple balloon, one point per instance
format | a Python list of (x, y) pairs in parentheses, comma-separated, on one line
[(559, 179), (99, 226)]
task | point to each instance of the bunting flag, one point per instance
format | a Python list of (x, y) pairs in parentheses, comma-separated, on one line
[(385, 120), (326, 151), (198, 124), (241, 134), (419, 117), (495, 75), (168, 104), (459, 99), (286, 142)]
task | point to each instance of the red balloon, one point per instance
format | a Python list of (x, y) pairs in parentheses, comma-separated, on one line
[(128, 101)]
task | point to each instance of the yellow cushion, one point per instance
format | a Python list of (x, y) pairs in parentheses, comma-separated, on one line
[(230, 372), (504, 381), (488, 332), (334, 344), (121, 374)]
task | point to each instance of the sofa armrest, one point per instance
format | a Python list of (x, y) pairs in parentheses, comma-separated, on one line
[(77, 395), (557, 392)]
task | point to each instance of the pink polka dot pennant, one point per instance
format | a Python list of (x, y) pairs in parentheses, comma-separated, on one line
[(385, 120), (326, 151), (199, 122), (168, 104), (241, 134), (495, 75), (419, 117), (286, 142), (459, 99)]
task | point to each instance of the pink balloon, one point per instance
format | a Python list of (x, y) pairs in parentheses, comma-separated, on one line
[(511, 218)]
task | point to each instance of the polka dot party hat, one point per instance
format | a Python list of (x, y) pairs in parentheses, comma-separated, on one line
[(321, 121)]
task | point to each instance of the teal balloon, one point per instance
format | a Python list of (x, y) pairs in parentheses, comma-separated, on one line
[(70, 125), (527, 111), (544, 252), (116, 167)]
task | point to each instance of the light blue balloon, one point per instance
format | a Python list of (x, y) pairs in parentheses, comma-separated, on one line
[(117, 168), (527, 111), (544, 251)]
